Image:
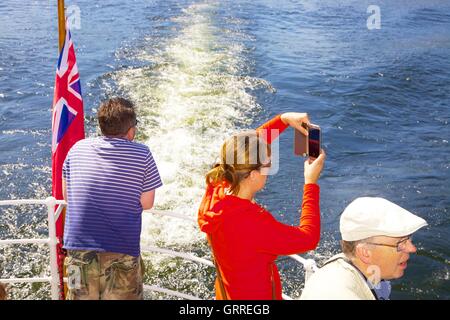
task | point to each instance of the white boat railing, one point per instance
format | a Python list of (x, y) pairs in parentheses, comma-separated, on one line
[(51, 241)]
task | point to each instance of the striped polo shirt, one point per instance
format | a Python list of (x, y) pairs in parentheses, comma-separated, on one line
[(105, 178)]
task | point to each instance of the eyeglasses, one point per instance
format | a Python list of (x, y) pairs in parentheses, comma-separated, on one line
[(400, 246)]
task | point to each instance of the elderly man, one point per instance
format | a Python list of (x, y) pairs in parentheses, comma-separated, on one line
[(376, 244)]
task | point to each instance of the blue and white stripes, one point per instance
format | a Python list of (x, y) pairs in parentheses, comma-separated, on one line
[(105, 178)]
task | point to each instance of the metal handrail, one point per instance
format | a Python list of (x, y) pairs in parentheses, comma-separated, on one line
[(172, 214), (31, 201), (26, 280), (51, 241), (171, 292), (50, 202), (309, 265), (178, 254), (25, 241)]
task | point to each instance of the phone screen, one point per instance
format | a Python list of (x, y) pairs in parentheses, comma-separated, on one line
[(314, 142)]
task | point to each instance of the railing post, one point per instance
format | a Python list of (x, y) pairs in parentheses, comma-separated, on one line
[(51, 202), (310, 267)]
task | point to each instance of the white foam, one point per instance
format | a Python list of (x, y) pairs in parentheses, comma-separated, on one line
[(192, 97)]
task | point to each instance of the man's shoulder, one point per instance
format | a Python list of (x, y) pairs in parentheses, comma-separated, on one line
[(335, 274), (83, 143), (336, 279), (136, 149), (140, 146), (336, 265), (120, 143)]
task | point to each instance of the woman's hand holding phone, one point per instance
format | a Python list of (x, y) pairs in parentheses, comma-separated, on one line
[(313, 168), (297, 120), (315, 162)]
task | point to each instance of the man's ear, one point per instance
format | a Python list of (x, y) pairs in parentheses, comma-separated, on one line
[(130, 134), (363, 253)]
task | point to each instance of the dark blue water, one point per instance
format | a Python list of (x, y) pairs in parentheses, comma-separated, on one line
[(199, 71)]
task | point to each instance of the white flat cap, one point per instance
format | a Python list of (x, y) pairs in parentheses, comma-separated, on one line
[(368, 217)]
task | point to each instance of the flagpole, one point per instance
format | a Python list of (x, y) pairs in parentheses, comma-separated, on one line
[(61, 24)]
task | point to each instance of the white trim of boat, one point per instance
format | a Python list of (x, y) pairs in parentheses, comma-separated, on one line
[(308, 264)]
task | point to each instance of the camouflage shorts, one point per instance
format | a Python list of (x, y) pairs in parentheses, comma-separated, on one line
[(94, 275)]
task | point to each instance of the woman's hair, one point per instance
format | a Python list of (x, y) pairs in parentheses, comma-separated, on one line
[(240, 154)]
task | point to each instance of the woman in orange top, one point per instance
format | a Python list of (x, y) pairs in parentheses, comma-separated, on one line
[(245, 238)]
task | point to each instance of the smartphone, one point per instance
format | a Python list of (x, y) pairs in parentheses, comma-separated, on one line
[(314, 141), (300, 144)]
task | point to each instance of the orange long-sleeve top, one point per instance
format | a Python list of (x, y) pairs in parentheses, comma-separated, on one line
[(246, 239)]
